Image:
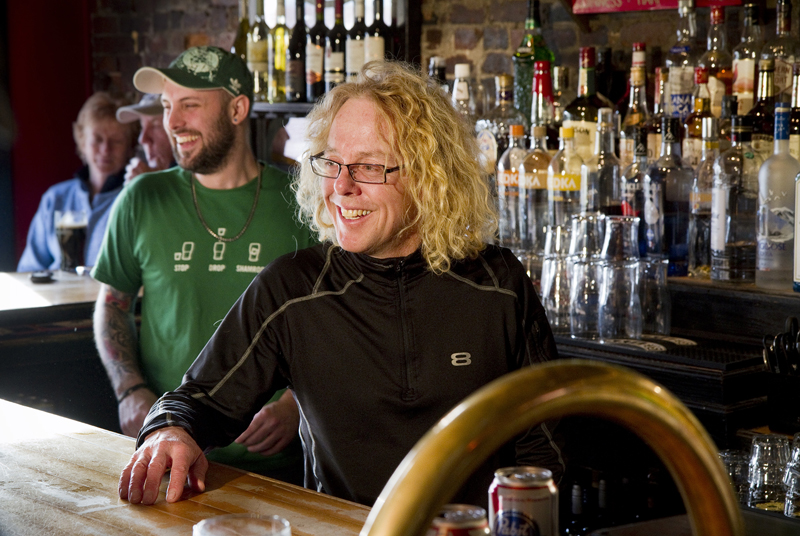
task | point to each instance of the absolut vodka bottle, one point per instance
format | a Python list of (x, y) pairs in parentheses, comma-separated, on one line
[(667, 186), (775, 220), (508, 191)]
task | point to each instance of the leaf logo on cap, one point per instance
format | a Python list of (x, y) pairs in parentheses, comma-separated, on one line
[(236, 86), (202, 62)]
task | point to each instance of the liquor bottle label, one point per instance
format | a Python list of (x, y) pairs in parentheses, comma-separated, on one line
[(487, 144), (653, 218), (700, 201), (295, 77), (775, 231), (653, 146), (744, 80), (783, 75), (692, 151), (764, 145), (719, 218), (626, 152), (461, 90), (508, 179), (630, 201), (314, 59), (257, 56), (584, 137), (374, 48), (334, 67), (794, 146), (681, 83), (534, 180), (565, 182), (716, 88), (354, 58)]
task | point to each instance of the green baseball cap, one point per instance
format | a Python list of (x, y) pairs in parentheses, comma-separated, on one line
[(200, 68)]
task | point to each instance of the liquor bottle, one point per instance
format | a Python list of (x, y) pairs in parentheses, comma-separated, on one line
[(633, 185), (600, 175), (377, 32), (667, 186), (508, 191), (681, 62), (315, 56), (354, 46), (718, 60), (733, 207), (335, 49), (604, 76), (498, 120), (637, 114), (581, 114), (562, 94), (660, 110), (277, 44), (436, 70), (564, 180), (783, 50), (576, 524), (533, 197), (730, 106), (763, 113), (397, 30), (463, 95), (700, 217), (532, 48), (692, 145), (745, 59), (258, 54), (239, 46), (542, 110), (296, 57), (794, 115), (775, 219)]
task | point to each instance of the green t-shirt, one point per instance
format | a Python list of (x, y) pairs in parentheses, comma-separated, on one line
[(156, 240)]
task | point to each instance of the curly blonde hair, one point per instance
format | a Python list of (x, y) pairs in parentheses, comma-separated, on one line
[(99, 107), (452, 211)]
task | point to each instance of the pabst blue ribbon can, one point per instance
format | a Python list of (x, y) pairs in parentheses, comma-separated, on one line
[(460, 520), (523, 501)]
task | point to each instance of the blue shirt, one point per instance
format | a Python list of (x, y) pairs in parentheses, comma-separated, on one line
[(42, 250)]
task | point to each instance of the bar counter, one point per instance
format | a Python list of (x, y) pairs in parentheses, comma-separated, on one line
[(59, 476), (68, 297)]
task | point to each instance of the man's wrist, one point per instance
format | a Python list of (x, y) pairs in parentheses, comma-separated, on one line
[(130, 390)]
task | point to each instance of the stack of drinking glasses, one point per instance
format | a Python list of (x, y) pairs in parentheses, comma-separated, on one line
[(583, 263), (555, 278), (792, 480)]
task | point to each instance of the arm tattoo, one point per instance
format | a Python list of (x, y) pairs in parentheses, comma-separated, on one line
[(115, 337)]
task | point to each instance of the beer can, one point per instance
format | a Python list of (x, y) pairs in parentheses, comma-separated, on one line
[(460, 520), (523, 501)]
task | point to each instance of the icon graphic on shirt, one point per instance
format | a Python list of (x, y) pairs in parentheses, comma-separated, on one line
[(221, 231), (254, 251), (185, 254), (461, 359), (219, 251)]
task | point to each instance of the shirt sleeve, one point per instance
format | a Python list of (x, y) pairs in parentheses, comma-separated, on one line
[(37, 254), (117, 264)]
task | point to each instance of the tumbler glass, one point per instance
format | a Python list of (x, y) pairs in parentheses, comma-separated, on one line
[(70, 227), (555, 278), (242, 524), (584, 261), (654, 295), (769, 454), (736, 464), (620, 312)]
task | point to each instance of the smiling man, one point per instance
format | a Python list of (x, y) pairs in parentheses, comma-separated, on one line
[(193, 237), (153, 140), (402, 311)]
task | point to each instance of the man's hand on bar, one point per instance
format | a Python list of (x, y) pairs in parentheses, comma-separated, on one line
[(168, 448)]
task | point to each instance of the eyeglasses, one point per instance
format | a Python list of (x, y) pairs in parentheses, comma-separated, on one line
[(368, 173)]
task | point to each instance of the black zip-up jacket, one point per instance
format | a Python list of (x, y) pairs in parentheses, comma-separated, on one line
[(377, 351)]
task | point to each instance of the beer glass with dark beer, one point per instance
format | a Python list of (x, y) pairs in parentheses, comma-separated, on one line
[(71, 234)]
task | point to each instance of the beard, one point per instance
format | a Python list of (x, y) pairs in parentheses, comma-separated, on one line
[(215, 151)]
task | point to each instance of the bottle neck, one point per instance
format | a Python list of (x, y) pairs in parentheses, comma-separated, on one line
[(638, 98), (540, 143), (518, 141), (359, 11), (766, 86), (504, 96), (260, 9), (660, 100), (751, 32), (244, 12), (320, 12), (280, 13), (586, 82), (670, 140), (783, 26), (717, 37), (338, 10), (532, 21), (710, 149), (378, 5), (299, 16), (604, 141), (687, 26), (567, 145), (781, 130)]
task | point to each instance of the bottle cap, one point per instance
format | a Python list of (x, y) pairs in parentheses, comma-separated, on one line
[(685, 6), (517, 130), (587, 57), (462, 70), (710, 127), (717, 15), (566, 132), (539, 132)]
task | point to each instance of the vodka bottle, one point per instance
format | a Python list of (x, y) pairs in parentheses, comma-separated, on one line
[(335, 49), (542, 113), (700, 217), (717, 60), (667, 186), (531, 48), (315, 55), (239, 46), (681, 62), (508, 191), (637, 114), (564, 180), (296, 58), (601, 172), (534, 216), (493, 129), (775, 220), (463, 96), (763, 113), (278, 42), (794, 115), (745, 59), (692, 145), (783, 50), (733, 207), (633, 186), (653, 124), (581, 114), (354, 46), (257, 54)]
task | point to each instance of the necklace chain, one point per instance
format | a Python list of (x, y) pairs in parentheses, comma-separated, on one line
[(246, 224)]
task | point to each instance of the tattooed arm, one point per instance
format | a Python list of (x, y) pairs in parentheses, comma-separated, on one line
[(115, 337)]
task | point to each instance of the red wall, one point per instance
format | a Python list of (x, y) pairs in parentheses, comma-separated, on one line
[(50, 77)]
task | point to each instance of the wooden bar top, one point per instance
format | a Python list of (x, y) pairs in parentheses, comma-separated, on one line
[(68, 297), (59, 476)]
